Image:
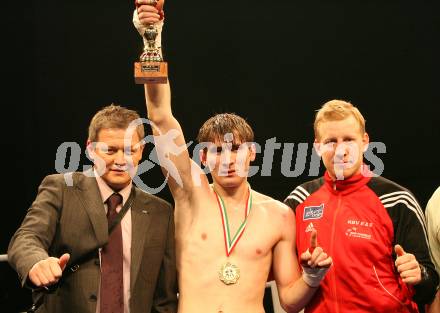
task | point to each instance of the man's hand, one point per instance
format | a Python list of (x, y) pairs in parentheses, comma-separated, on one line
[(315, 256), (407, 266), (47, 272), (315, 262), (148, 13)]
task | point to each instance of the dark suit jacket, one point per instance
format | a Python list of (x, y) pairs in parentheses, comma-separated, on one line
[(68, 216)]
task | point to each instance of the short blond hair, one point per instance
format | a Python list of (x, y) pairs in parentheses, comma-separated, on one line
[(337, 110), (113, 116)]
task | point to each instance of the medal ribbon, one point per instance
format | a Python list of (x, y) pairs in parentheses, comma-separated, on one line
[(230, 243)]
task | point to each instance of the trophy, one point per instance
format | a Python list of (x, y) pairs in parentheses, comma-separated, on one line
[(151, 69)]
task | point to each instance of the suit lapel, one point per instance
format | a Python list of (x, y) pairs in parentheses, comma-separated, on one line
[(140, 221), (89, 195)]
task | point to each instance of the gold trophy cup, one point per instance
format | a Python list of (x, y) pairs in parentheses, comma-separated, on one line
[(151, 69)]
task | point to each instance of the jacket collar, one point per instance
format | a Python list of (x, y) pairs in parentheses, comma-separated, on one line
[(350, 184)]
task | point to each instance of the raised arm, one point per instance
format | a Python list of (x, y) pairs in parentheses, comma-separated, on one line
[(169, 140), (296, 289)]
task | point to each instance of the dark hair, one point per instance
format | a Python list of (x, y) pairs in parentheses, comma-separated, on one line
[(217, 126)]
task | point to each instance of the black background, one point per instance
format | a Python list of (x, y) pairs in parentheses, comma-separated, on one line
[(273, 64)]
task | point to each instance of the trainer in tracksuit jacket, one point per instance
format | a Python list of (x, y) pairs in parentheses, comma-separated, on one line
[(358, 221)]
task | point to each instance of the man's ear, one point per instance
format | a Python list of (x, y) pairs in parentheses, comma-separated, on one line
[(202, 156), (90, 149), (253, 151), (365, 141), (141, 147), (318, 147)]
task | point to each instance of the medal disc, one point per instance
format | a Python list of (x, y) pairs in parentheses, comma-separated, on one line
[(229, 273)]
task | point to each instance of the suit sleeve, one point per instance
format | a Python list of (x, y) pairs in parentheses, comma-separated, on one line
[(165, 297), (410, 233), (30, 243)]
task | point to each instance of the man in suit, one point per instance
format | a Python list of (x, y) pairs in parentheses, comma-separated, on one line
[(74, 257)]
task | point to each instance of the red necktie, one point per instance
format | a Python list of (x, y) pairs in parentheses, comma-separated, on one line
[(112, 292)]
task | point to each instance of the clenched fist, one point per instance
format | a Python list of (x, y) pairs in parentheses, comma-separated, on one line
[(149, 12)]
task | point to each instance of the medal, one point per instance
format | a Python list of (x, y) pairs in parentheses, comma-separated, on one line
[(230, 273)]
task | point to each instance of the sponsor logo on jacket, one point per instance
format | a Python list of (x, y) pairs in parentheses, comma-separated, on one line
[(356, 233), (313, 212), (310, 228)]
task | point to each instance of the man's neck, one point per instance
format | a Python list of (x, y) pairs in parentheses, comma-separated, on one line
[(233, 195)]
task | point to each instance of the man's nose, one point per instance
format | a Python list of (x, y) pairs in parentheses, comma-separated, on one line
[(342, 149), (227, 157), (120, 157)]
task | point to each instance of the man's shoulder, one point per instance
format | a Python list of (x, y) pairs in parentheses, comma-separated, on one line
[(268, 202), (311, 186), (395, 198), (384, 187), (434, 202), (303, 191), (148, 197), (69, 178)]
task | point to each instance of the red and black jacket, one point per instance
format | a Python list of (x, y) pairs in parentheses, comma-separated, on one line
[(359, 220)]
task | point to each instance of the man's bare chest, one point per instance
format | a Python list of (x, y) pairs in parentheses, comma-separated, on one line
[(209, 233)]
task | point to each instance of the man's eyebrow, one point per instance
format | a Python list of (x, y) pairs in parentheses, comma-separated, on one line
[(133, 147), (330, 138)]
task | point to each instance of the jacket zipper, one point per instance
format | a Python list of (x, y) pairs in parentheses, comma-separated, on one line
[(333, 276)]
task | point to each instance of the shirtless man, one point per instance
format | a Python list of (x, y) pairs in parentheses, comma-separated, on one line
[(217, 273)]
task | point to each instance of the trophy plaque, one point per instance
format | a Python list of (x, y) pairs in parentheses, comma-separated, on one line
[(151, 69)]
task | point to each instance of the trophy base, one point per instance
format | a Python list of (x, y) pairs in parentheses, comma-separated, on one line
[(151, 72)]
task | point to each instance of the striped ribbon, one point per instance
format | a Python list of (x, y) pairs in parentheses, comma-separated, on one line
[(231, 242)]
